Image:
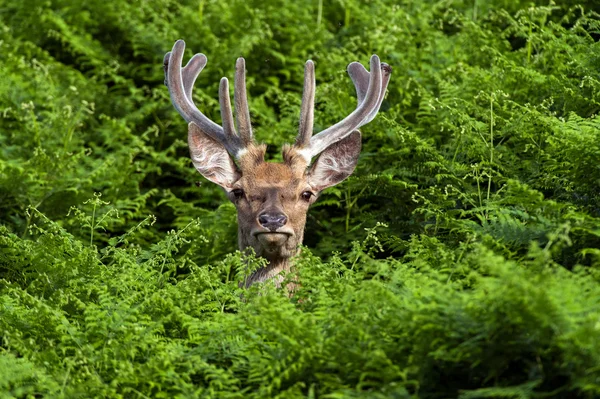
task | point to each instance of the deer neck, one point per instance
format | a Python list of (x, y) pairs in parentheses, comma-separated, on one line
[(275, 270)]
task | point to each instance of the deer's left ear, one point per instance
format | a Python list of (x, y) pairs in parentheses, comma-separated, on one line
[(336, 163)]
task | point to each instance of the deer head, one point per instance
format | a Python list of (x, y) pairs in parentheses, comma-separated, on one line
[(272, 199)]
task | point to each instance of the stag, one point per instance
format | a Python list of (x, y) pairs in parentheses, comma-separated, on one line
[(272, 199)]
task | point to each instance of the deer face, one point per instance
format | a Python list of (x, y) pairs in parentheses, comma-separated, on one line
[(272, 203), (272, 199)]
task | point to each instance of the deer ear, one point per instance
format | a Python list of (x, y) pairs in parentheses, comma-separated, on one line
[(336, 163), (211, 159)]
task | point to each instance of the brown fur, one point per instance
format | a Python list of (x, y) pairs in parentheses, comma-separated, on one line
[(279, 188), (271, 187), (280, 192), (257, 187)]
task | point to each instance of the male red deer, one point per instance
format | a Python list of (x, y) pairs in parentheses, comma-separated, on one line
[(272, 199)]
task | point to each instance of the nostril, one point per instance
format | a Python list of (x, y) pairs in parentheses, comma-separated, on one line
[(272, 221), (263, 219)]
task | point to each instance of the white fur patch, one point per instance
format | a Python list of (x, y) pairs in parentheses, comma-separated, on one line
[(306, 154), (241, 153)]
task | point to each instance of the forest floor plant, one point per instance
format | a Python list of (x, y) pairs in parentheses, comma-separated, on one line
[(461, 260)]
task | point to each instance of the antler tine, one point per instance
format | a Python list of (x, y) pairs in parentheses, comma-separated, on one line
[(190, 73), (242, 111), (180, 82), (226, 111), (179, 98), (370, 88), (307, 111), (360, 78), (385, 79)]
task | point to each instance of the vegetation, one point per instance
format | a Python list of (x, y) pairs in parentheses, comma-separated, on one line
[(462, 259)]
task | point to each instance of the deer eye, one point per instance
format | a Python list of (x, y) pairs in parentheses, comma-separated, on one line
[(237, 193), (306, 195)]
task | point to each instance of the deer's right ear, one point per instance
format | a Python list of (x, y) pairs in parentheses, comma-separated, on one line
[(211, 159)]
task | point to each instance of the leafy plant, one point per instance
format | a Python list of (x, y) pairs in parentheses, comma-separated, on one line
[(460, 260)]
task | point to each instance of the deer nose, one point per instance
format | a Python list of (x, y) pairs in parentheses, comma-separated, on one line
[(272, 221)]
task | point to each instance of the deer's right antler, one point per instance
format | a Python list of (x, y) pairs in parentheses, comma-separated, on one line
[(180, 82)]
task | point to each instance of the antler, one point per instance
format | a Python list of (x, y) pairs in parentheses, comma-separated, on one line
[(180, 82), (370, 90)]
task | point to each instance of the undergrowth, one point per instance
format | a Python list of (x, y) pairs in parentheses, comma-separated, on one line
[(460, 260)]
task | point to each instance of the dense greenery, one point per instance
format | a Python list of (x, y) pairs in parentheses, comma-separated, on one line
[(462, 259)]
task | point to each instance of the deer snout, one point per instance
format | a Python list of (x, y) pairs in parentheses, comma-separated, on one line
[(272, 221)]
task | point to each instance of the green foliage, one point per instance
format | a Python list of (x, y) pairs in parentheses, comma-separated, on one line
[(461, 259)]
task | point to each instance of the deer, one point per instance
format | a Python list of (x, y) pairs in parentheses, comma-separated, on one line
[(272, 198)]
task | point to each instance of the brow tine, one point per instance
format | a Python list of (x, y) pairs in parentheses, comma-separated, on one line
[(360, 78), (242, 111), (190, 72), (307, 111)]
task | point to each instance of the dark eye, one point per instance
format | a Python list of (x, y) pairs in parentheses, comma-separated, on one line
[(306, 195), (237, 193)]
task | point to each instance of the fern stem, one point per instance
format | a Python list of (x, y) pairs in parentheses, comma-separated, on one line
[(350, 205), (161, 277), (216, 295), (529, 46), (457, 148), (64, 384), (36, 129), (200, 11), (491, 147), (460, 258), (348, 209), (354, 263), (479, 189), (319, 13), (92, 225), (29, 218), (347, 17)]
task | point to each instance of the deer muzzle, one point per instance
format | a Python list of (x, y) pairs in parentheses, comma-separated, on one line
[(273, 232)]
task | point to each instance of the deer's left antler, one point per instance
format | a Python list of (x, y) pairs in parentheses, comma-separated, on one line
[(370, 90)]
